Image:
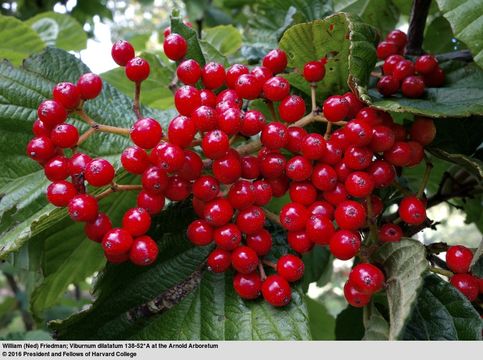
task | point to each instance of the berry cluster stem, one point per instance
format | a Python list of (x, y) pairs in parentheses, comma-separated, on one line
[(261, 270), (439, 271), (271, 108), (313, 95), (100, 127), (85, 135), (370, 220), (427, 173), (136, 107), (117, 188), (272, 217)]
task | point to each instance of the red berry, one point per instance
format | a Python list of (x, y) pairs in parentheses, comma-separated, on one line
[(213, 75), (230, 121), (426, 64), (386, 49), (41, 149), (366, 278), (178, 189), (146, 133), (219, 260), (324, 177), (154, 180), (358, 132), (412, 87), (423, 131), (435, 78), (355, 297), (64, 135), (417, 153), (345, 244), (247, 286), (250, 220), (95, 230), (99, 172), (135, 160), (387, 85), (321, 207), (274, 135), (296, 136), (218, 212), (303, 193), (137, 69), (248, 86), (215, 144), (189, 72), (83, 207), (227, 237), (313, 146), (359, 184), (206, 188), (299, 241), (298, 168), (290, 267), (117, 259), (57, 168), (291, 108), (402, 70), (117, 241), (167, 156), (60, 193), (200, 233), (208, 98), (412, 210), (314, 71), (144, 251), (275, 60), (458, 259), (390, 233), (244, 259), (175, 47), (276, 291), (51, 113), (293, 216), (337, 195), (350, 215), (398, 37), (241, 194), (204, 118), (399, 154), (263, 192), (467, 284), (39, 129), (89, 85), (355, 104), (319, 229), (136, 221), (67, 94), (122, 51), (336, 108), (78, 163), (228, 168), (250, 167), (252, 123), (390, 63), (383, 138), (153, 204), (187, 99), (181, 131), (260, 241), (279, 186), (276, 88), (233, 73), (382, 173), (262, 74)]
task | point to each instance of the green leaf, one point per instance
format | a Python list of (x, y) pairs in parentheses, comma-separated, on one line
[(472, 207), (461, 96), (24, 211), (442, 313), (467, 23), (458, 136), (177, 298), (59, 30), (474, 166), (191, 37), (224, 38), (377, 328), (318, 267), (322, 324), (17, 40), (155, 90), (349, 325), (439, 38), (404, 263), (382, 14), (477, 262), (348, 45)]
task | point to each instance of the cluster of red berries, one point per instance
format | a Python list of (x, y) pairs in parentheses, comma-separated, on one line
[(402, 74), (458, 260)]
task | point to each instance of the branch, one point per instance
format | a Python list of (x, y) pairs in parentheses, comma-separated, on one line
[(26, 318), (116, 188), (136, 107), (419, 13)]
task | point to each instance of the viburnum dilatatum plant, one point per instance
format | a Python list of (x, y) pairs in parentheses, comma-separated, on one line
[(276, 161)]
